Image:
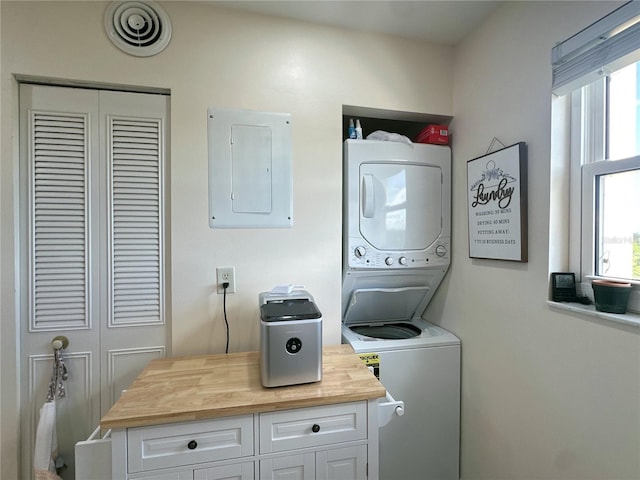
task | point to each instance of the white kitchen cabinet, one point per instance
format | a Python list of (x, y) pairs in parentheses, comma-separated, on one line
[(208, 417), (289, 467), (180, 475), (299, 443), (335, 464), (341, 463), (315, 427), (236, 471)]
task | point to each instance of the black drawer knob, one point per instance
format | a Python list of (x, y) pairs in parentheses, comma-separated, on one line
[(192, 445), (315, 428)]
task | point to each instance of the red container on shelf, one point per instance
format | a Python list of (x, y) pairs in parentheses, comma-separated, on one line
[(436, 134)]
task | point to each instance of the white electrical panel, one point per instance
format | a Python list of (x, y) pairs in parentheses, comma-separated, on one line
[(250, 178)]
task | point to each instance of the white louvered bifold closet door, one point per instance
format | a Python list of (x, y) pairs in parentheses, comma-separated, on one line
[(93, 266)]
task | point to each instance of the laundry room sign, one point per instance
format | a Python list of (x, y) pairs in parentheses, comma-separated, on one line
[(497, 204)]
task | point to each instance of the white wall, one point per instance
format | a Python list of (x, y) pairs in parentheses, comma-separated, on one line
[(9, 420), (3, 454), (228, 59), (546, 395)]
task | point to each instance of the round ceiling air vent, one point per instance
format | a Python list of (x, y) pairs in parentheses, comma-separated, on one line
[(141, 29)]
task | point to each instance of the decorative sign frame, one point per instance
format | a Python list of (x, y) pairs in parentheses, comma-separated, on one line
[(497, 204)]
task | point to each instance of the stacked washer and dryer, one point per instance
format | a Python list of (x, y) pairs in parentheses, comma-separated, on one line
[(396, 242)]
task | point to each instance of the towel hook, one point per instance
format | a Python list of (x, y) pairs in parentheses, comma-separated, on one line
[(59, 373)]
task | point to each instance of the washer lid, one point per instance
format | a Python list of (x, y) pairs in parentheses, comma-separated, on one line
[(375, 305), (292, 309)]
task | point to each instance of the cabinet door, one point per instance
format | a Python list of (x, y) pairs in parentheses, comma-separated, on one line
[(290, 467), (342, 464), (181, 475), (238, 471)]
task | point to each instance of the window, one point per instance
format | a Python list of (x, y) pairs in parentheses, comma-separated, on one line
[(609, 169), (598, 70)]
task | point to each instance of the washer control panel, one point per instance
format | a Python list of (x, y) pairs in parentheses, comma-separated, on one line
[(362, 255)]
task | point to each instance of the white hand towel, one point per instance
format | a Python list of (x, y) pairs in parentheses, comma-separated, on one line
[(46, 449)]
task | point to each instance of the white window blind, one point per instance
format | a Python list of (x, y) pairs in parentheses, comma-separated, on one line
[(59, 221), (136, 221), (611, 42)]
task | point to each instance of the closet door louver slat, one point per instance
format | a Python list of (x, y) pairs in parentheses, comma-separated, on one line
[(136, 248), (58, 183)]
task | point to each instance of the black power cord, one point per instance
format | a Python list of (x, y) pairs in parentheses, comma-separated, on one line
[(225, 285)]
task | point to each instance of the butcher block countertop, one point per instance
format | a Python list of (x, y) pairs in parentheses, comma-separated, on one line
[(208, 386)]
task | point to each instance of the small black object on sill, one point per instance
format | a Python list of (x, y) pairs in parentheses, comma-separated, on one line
[(584, 300), (563, 287)]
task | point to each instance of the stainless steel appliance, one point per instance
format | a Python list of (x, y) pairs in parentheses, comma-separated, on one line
[(290, 338)]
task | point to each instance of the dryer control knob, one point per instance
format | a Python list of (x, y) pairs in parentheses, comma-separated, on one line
[(441, 250), (388, 261), (360, 252), (402, 260)]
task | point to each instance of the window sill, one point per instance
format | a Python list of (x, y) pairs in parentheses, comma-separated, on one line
[(590, 310)]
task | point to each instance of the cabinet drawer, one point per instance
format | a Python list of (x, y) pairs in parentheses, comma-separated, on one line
[(163, 446), (313, 426)]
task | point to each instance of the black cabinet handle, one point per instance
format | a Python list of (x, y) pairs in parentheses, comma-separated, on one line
[(315, 428), (192, 445)]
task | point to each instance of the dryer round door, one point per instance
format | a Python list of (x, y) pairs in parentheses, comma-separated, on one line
[(400, 205)]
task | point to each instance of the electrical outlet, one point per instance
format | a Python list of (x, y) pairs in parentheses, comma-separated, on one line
[(226, 274)]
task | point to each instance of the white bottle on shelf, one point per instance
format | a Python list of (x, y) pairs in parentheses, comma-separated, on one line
[(358, 129), (352, 129)]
